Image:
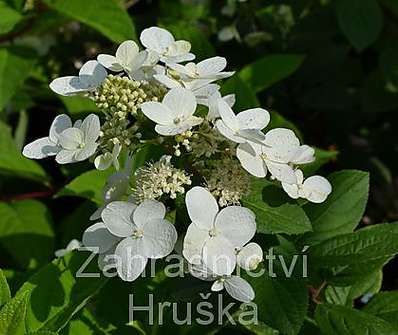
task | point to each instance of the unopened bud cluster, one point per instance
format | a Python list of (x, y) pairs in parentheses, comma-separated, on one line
[(183, 140), (228, 182), (121, 96), (157, 179)]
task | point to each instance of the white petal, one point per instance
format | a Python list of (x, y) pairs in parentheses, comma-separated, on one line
[(158, 112), (255, 118), (117, 217), (98, 236), (281, 137), (217, 286), (169, 130), (250, 256), (201, 271), (211, 66), (178, 59), (227, 115), (239, 289), (251, 162), (219, 255), (41, 148), (71, 139), (316, 189), (159, 238), (180, 101), (126, 53), (202, 207), (110, 62), (104, 161), (138, 61), (237, 224), (87, 151), (92, 74), (252, 135), (178, 48), (97, 214), (282, 172), (147, 211), (182, 69), (68, 85), (203, 93), (131, 261), (291, 189), (228, 133), (157, 39), (65, 156), (167, 81), (194, 240), (304, 154), (91, 128), (60, 123)]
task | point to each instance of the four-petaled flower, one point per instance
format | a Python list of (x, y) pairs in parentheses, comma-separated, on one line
[(214, 236), (174, 115)]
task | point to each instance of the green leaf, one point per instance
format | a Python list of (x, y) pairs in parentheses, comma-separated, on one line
[(282, 304), (269, 70), (321, 157), (15, 66), (79, 106), (244, 94), (58, 293), (5, 294), (12, 315), (43, 332), (341, 320), (9, 18), (88, 185), (273, 214), (361, 21), (24, 226), (12, 162), (343, 209), (260, 329), (278, 121), (106, 16), (385, 306), (346, 258)]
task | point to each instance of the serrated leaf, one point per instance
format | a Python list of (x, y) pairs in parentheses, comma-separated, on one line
[(58, 293), (107, 16), (282, 303), (15, 66), (12, 315), (9, 18), (88, 185), (5, 294), (347, 257), (244, 94), (12, 162), (24, 226), (269, 70), (343, 209), (361, 21), (273, 214), (341, 320), (385, 306)]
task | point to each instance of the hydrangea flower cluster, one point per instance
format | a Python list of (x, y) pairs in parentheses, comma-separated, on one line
[(156, 96)]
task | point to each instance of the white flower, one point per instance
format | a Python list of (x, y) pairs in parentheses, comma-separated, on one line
[(209, 69), (90, 77), (72, 245), (213, 236), (138, 233), (243, 127), (115, 187), (48, 146), (279, 148), (174, 115), (315, 188), (79, 143), (162, 42), (104, 161), (127, 58), (237, 288), (250, 256)]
